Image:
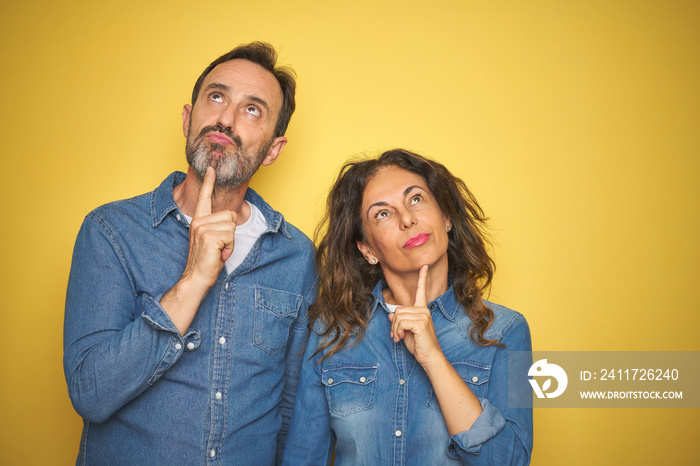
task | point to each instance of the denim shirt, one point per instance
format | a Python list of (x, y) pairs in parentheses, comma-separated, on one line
[(378, 403), (220, 394)]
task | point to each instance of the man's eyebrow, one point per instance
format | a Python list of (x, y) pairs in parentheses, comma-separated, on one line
[(260, 101), (219, 86), (253, 98)]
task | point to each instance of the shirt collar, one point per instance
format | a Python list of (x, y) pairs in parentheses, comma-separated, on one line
[(446, 303), (162, 203)]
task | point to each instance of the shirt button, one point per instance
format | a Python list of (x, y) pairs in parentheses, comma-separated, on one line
[(212, 453), (330, 381), (218, 395), (226, 285), (178, 346), (222, 340), (475, 379), (363, 380), (398, 433), (402, 381), (432, 306), (190, 346), (177, 216)]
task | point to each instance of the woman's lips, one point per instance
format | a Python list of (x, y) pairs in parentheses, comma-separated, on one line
[(219, 138), (417, 240)]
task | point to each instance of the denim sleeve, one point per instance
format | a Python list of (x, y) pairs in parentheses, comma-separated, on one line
[(299, 334), (310, 440), (500, 435), (116, 343)]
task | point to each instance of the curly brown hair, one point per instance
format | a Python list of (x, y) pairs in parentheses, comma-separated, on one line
[(346, 280)]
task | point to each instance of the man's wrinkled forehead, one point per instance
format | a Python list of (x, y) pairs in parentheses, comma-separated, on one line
[(245, 78)]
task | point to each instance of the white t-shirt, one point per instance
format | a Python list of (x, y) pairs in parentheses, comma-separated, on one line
[(391, 307), (244, 237)]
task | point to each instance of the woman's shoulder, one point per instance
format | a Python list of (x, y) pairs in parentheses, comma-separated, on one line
[(505, 322)]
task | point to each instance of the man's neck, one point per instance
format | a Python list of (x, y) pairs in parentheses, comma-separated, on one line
[(186, 194)]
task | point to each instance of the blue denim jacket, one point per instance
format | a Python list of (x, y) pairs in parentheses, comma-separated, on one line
[(377, 401), (223, 393)]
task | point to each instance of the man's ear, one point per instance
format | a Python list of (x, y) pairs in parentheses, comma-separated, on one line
[(186, 111), (274, 151)]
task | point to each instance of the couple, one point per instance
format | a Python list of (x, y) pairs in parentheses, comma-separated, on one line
[(188, 309)]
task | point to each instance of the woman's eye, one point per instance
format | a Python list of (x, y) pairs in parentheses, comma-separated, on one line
[(416, 199), (253, 110), (216, 97), (381, 214)]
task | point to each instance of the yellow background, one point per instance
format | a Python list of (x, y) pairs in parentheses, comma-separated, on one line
[(576, 123)]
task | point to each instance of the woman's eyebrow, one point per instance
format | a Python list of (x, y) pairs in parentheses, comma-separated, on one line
[(376, 204), (409, 189)]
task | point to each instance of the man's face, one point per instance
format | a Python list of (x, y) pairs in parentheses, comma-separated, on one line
[(231, 126)]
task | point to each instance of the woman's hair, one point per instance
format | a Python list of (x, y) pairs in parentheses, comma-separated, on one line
[(346, 279)]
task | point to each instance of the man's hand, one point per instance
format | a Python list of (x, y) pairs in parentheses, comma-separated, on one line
[(211, 237), (414, 325), (211, 244)]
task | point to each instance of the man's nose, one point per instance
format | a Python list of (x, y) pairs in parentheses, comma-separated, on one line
[(227, 118)]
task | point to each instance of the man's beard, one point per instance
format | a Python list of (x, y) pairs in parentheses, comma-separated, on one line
[(232, 164)]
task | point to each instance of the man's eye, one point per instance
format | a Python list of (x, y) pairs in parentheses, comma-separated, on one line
[(216, 97), (253, 110)]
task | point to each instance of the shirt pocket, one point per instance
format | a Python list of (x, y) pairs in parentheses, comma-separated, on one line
[(350, 389), (275, 311), (475, 374)]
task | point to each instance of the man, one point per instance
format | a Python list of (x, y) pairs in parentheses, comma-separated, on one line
[(186, 309)]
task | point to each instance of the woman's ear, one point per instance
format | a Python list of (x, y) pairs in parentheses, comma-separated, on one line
[(366, 252)]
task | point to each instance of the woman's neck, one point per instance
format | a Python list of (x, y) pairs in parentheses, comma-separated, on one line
[(401, 288)]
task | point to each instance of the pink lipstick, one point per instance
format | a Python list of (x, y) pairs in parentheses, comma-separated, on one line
[(417, 240)]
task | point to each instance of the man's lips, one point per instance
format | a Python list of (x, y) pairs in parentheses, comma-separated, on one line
[(219, 138), (417, 240)]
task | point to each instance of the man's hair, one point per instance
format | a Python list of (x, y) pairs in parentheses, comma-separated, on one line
[(262, 54)]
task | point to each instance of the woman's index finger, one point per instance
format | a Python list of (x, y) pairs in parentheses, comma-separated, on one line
[(421, 299)]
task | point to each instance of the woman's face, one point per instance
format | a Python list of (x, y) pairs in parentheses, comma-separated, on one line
[(404, 227)]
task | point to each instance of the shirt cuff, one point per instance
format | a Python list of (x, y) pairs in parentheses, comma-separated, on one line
[(156, 317), (489, 423)]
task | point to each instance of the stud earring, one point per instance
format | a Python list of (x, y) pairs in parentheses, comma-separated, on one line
[(448, 228), (373, 261)]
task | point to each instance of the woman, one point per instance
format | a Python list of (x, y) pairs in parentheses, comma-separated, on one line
[(406, 364)]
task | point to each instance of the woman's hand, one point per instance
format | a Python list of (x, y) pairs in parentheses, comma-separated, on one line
[(414, 325)]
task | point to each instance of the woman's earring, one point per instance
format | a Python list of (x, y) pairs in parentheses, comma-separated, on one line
[(448, 228), (373, 261)]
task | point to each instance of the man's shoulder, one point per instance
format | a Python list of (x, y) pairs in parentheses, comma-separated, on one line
[(140, 208), (132, 207), (278, 221), (299, 236)]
